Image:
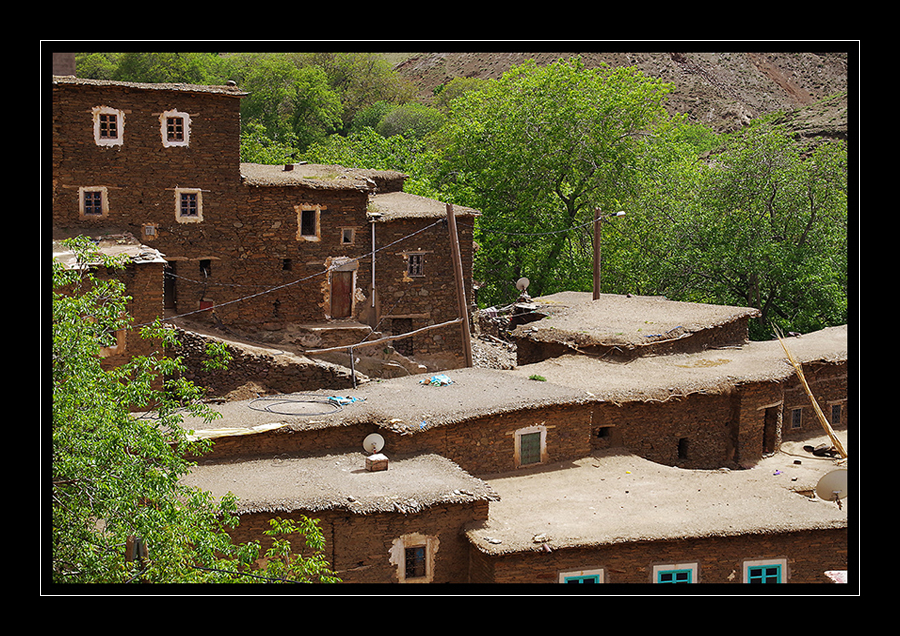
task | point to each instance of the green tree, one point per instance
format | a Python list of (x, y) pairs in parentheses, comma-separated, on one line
[(537, 151), (761, 223), (119, 451), (166, 67)]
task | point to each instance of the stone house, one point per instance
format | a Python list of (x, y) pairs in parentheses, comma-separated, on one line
[(604, 472), (248, 246), (141, 276)]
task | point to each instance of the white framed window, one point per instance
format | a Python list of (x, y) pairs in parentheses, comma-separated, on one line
[(595, 575), (109, 126), (188, 205), (531, 445), (413, 556), (675, 573), (308, 223), (93, 202), (175, 128), (765, 571)]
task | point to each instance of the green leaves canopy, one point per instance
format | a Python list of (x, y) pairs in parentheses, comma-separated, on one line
[(536, 151)]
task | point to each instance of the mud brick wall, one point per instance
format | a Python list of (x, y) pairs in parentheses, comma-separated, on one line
[(828, 383), (261, 250), (427, 299), (809, 554), (693, 431), (479, 446), (141, 174), (358, 547), (530, 351), (285, 373), (143, 286)]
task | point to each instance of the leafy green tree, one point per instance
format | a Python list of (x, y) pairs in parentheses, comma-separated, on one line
[(761, 223), (537, 151), (119, 452), (411, 120), (165, 67)]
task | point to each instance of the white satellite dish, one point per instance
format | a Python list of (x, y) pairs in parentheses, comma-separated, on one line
[(522, 284), (833, 486), (373, 443)]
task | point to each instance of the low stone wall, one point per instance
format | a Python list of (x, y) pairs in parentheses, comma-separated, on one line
[(265, 373)]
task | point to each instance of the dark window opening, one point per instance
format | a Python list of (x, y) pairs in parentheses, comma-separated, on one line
[(287, 264), (109, 126), (93, 202), (308, 223), (415, 562), (189, 204), (416, 265), (175, 129), (683, 448), (206, 268)]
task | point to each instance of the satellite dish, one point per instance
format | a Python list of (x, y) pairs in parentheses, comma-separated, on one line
[(833, 486), (373, 443), (522, 284)]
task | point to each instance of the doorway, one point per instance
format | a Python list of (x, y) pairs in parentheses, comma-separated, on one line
[(341, 294)]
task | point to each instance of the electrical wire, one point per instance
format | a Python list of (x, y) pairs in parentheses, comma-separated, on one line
[(300, 280)]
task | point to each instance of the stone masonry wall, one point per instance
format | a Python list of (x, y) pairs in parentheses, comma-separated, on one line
[(359, 547), (809, 554), (286, 373)]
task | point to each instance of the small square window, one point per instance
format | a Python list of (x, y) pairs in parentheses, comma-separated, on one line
[(93, 202), (348, 236), (415, 265), (765, 571), (175, 129), (580, 577), (109, 125), (308, 224), (674, 576), (188, 205), (675, 573), (415, 562)]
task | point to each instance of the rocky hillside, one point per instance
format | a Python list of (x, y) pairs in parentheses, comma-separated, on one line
[(721, 90)]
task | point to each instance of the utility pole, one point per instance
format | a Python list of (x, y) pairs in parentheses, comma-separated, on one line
[(460, 286), (598, 226)]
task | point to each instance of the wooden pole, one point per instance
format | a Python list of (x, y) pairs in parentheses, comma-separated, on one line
[(460, 286), (822, 419), (598, 220)]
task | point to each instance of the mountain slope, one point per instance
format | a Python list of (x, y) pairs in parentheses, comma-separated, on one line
[(721, 90)]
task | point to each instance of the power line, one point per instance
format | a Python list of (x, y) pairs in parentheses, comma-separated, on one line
[(300, 280)]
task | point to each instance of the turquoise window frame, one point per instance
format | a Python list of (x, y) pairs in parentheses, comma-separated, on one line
[(764, 573), (584, 578), (675, 576)]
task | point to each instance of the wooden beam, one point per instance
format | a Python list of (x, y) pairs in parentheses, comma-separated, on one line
[(460, 286)]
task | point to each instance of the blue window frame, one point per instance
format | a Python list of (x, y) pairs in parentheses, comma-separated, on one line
[(674, 576), (764, 573)]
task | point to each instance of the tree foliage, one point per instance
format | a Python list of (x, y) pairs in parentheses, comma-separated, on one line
[(537, 151), (751, 218), (119, 453)]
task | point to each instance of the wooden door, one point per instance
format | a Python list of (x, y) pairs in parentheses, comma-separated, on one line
[(341, 294)]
